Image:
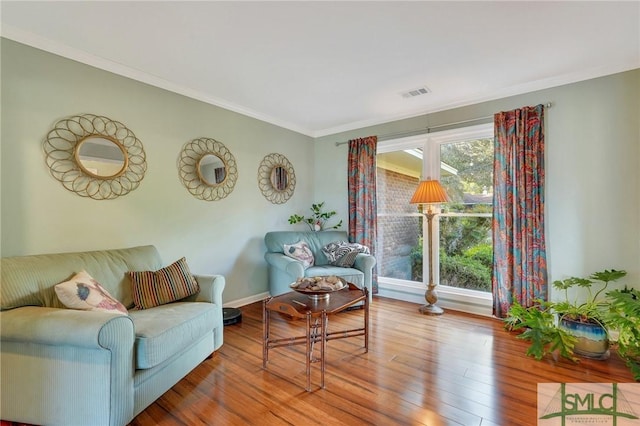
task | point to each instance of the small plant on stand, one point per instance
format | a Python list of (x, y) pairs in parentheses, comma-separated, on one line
[(317, 220)]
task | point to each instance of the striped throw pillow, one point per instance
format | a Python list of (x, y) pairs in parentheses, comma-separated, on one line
[(155, 288)]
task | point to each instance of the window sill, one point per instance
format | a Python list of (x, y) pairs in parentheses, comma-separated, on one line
[(470, 301)]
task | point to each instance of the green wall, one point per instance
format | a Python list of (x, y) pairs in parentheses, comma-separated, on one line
[(40, 216), (592, 169)]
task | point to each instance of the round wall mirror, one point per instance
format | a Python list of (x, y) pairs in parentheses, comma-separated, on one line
[(94, 156), (279, 179), (101, 157), (211, 169), (207, 169), (276, 178)]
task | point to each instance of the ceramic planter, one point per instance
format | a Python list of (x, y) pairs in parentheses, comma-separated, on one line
[(592, 338)]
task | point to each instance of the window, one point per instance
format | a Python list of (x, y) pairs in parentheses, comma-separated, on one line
[(462, 159)]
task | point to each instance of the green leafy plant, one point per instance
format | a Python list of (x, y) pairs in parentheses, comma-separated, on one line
[(623, 320), (618, 313), (593, 308), (317, 220), (464, 272), (539, 325)]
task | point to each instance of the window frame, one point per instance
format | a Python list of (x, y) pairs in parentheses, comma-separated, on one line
[(473, 301)]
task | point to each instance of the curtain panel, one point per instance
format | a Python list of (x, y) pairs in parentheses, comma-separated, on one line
[(361, 170), (519, 254)]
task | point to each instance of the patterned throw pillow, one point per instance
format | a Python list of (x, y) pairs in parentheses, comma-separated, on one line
[(300, 251), (342, 253), (86, 294), (155, 288)]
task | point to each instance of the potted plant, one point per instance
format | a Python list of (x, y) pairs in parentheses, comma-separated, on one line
[(539, 326), (317, 220), (586, 321), (569, 327), (623, 320)]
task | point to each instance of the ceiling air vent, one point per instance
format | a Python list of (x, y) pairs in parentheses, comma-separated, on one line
[(416, 92)]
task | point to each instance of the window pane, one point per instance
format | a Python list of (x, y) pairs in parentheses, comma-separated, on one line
[(398, 175), (466, 252), (398, 247), (467, 173)]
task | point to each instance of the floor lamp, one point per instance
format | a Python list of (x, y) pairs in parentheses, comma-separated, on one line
[(430, 192)]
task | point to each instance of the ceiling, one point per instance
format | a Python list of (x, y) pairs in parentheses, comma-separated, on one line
[(323, 67)]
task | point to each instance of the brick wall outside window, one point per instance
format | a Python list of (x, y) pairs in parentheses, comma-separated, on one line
[(397, 236)]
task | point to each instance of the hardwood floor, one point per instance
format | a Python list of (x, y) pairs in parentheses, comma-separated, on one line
[(454, 369)]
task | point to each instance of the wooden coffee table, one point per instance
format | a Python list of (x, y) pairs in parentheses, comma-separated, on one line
[(316, 312)]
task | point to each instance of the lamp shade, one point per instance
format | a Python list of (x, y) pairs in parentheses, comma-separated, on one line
[(429, 191)]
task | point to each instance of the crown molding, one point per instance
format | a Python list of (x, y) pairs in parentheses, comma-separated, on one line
[(516, 90), (95, 61), (99, 62)]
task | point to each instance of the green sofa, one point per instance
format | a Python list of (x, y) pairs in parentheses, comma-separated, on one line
[(284, 270), (68, 367)]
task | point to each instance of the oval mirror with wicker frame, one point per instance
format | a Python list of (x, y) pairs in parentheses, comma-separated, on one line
[(207, 169), (276, 178), (95, 157)]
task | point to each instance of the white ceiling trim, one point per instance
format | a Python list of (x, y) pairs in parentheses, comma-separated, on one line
[(500, 94), (68, 52)]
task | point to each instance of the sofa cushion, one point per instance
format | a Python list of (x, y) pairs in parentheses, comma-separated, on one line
[(165, 330), (299, 251), (168, 284), (86, 294), (29, 280)]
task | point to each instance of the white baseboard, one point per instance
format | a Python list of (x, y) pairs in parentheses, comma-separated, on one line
[(247, 300), (473, 302)]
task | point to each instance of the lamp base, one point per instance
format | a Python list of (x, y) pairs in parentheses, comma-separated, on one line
[(431, 310)]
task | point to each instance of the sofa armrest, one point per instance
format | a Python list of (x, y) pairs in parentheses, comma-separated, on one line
[(364, 262), (211, 288), (58, 357), (52, 326), (291, 266)]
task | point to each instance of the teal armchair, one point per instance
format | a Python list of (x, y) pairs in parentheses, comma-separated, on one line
[(284, 270)]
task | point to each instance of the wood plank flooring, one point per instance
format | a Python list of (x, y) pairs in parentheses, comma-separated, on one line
[(454, 369)]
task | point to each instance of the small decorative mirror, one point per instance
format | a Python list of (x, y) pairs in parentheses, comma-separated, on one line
[(207, 169), (211, 170), (279, 178), (101, 157), (95, 156), (276, 178)]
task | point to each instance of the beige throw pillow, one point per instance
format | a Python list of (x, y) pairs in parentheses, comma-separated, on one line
[(85, 293), (300, 251)]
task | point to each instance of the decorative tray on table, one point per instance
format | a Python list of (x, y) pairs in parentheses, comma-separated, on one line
[(319, 287)]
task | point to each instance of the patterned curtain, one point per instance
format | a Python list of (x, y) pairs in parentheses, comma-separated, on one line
[(519, 258), (362, 195)]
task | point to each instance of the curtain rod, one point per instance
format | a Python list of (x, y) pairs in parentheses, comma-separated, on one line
[(424, 130)]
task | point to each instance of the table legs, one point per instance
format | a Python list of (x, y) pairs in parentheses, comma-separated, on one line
[(310, 341), (316, 331)]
